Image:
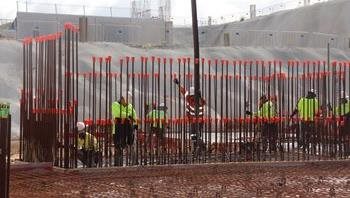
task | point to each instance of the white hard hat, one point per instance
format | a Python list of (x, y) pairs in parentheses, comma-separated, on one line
[(80, 126), (130, 94), (191, 91), (162, 104), (344, 95), (313, 91)]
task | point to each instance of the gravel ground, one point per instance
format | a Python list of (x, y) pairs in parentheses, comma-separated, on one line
[(293, 179)]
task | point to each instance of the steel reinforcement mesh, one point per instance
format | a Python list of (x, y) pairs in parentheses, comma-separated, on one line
[(292, 179), (249, 110)]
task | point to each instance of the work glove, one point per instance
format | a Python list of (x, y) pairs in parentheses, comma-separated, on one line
[(176, 81), (248, 113), (136, 127)]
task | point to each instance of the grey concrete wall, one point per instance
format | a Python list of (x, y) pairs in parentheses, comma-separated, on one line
[(285, 39), (214, 36), (310, 26), (111, 29)]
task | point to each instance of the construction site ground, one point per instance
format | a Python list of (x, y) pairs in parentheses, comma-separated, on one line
[(276, 179)]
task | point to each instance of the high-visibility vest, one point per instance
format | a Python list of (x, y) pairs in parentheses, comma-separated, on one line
[(157, 117), (4, 110), (122, 112), (342, 109), (119, 111), (307, 108), (88, 143), (191, 106), (267, 110)]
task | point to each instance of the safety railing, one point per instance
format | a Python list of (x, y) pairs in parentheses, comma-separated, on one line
[(84, 9)]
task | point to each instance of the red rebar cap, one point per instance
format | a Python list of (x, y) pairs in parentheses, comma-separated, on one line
[(39, 39), (88, 122), (68, 25), (51, 37), (334, 64), (27, 40)]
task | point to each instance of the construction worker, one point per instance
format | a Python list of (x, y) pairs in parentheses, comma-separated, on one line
[(4, 110), (191, 115), (342, 111), (269, 129), (157, 124), (125, 122), (88, 150), (307, 109)]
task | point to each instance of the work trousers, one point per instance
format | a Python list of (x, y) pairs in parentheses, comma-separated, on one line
[(307, 135), (269, 136), (124, 134), (89, 158), (345, 135)]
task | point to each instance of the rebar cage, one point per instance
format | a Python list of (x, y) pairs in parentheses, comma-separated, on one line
[(57, 94)]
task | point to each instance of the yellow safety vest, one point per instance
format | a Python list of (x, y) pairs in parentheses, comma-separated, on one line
[(88, 143), (157, 117), (307, 108), (267, 110), (122, 112), (342, 109)]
